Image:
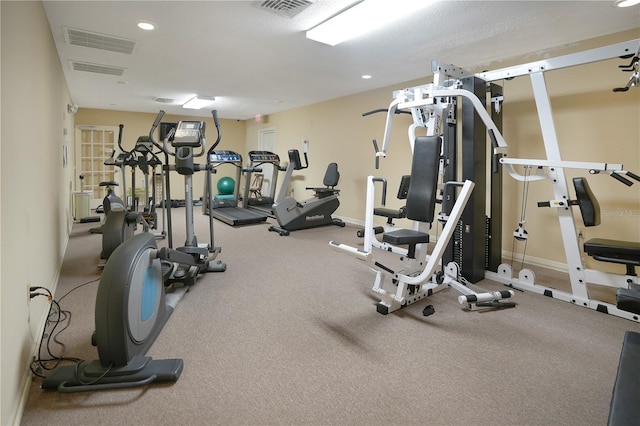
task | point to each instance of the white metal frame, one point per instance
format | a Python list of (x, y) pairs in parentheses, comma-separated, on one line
[(579, 276), (429, 98), (428, 105)]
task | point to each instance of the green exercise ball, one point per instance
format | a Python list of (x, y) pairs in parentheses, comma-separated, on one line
[(226, 186)]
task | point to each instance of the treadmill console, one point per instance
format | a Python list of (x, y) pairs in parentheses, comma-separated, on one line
[(189, 133), (224, 157), (263, 157)]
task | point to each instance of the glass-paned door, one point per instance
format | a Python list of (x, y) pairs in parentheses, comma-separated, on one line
[(94, 145)]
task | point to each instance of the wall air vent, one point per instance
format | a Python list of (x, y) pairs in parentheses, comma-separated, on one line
[(96, 68), (84, 38), (286, 8)]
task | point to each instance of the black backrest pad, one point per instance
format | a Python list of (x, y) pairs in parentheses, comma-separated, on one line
[(589, 206), (331, 176), (421, 198)]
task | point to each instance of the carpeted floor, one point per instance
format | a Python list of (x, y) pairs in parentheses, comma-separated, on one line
[(289, 335)]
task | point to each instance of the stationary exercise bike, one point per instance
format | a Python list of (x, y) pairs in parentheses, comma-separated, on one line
[(293, 215), (139, 289)]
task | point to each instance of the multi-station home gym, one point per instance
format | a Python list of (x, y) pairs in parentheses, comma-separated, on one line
[(320, 212)]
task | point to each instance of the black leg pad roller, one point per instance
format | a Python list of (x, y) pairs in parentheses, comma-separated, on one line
[(628, 299)]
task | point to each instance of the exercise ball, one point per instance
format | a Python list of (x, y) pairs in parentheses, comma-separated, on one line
[(226, 186)]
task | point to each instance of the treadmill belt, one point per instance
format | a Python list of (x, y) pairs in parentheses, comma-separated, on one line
[(236, 216)]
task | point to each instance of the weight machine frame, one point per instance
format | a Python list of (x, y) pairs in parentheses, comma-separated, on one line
[(554, 171), (432, 105)]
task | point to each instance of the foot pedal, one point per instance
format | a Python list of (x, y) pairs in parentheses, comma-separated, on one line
[(167, 267), (181, 272)]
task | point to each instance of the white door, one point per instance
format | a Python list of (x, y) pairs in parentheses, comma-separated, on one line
[(94, 145), (267, 142)]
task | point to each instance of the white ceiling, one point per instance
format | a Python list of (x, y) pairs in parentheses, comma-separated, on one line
[(256, 61)]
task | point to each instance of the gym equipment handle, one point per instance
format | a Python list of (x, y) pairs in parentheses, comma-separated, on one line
[(375, 111), (633, 176), (375, 148), (384, 188), (214, 114), (619, 178), (157, 122)]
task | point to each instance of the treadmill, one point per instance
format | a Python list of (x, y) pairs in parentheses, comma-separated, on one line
[(226, 209), (263, 203)]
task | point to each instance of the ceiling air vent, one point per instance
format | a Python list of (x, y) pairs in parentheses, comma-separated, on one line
[(164, 100), (84, 38), (287, 8), (96, 68)]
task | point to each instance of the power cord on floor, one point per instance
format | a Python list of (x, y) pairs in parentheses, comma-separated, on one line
[(57, 317)]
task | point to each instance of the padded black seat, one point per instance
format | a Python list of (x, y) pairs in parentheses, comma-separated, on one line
[(625, 252), (625, 409), (406, 236), (330, 180), (614, 251), (109, 183)]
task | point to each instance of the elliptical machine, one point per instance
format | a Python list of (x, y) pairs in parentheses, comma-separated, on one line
[(121, 223), (293, 215), (139, 289)]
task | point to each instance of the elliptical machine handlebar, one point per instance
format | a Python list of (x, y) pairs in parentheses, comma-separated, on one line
[(214, 113), (125, 158), (120, 127), (154, 126)]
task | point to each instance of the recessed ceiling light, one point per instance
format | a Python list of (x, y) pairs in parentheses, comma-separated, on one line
[(147, 26), (199, 102), (366, 76)]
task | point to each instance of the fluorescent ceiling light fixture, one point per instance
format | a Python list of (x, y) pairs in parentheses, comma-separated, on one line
[(366, 16), (199, 102), (626, 3), (147, 26)]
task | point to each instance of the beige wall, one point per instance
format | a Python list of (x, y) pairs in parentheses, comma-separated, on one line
[(138, 124), (337, 132), (592, 124), (35, 188)]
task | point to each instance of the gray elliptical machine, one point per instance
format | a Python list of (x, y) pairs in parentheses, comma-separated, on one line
[(140, 288)]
